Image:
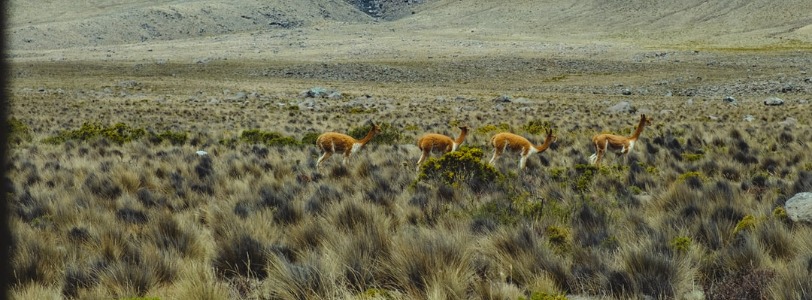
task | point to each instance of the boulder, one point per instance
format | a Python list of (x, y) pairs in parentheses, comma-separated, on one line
[(502, 99), (320, 92), (773, 101), (731, 100), (749, 118), (621, 107), (799, 207)]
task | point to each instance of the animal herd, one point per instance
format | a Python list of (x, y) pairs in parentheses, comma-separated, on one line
[(333, 142)]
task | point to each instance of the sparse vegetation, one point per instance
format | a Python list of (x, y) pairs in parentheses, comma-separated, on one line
[(110, 199)]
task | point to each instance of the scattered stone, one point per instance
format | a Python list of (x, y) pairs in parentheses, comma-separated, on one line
[(502, 99), (713, 118), (626, 92), (731, 100), (239, 96), (773, 101), (667, 111), (690, 102), (790, 122), (803, 101), (213, 101), (749, 118), (799, 207), (201, 153), (669, 94), (522, 100), (320, 92), (621, 107)]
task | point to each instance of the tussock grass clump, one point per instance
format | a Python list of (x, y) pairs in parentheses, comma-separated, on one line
[(241, 255)]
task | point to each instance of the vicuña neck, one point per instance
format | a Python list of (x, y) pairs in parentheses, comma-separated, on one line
[(639, 129), (367, 138), (461, 137), (547, 142)]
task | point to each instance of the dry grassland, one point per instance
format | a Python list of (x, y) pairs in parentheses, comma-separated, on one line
[(697, 210)]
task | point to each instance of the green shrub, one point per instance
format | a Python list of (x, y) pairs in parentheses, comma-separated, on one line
[(691, 157), (175, 138), (119, 133), (388, 134), (493, 128), (462, 166), (256, 136), (545, 296), (19, 131), (310, 138), (536, 126), (748, 222), (685, 176), (780, 213), (681, 243), (586, 173), (557, 235)]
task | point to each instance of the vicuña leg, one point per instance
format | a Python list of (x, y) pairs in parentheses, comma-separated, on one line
[(422, 159), (322, 158)]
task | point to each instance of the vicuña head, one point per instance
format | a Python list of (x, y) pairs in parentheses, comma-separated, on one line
[(619, 143), (509, 142), (432, 142), (332, 142)]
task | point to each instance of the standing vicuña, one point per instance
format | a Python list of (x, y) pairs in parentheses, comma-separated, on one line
[(331, 142), (513, 143), (605, 141), (438, 142)]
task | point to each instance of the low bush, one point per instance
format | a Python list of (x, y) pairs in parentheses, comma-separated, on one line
[(388, 135), (269, 138), (119, 133), (463, 166)]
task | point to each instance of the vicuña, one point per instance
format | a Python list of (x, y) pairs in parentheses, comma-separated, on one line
[(332, 142), (619, 143), (513, 143), (431, 142)]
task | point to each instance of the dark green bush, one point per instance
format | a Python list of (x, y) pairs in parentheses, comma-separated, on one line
[(462, 166), (310, 138), (269, 138), (388, 134), (119, 133), (19, 131), (175, 138), (536, 126)]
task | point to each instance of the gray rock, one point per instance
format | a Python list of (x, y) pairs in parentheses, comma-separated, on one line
[(713, 118), (621, 107), (690, 102), (626, 92), (667, 111), (789, 121), (318, 92), (502, 99), (522, 100), (731, 100), (773, 101), (803, 101), (749, 118), (799, 207)]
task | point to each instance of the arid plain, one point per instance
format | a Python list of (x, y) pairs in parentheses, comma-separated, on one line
[(112, 101)]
